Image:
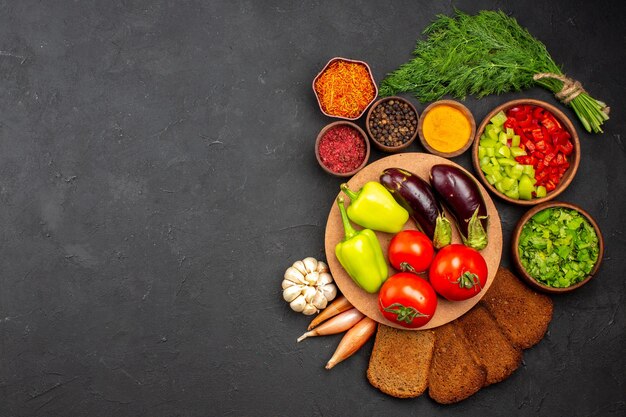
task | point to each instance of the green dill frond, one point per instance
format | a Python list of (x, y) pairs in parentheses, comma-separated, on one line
[(488, 53)]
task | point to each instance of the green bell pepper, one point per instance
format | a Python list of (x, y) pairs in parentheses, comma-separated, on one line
[(373, 207), (360, 255)]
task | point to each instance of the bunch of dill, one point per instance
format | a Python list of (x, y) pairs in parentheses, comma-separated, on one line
[(488, 53)]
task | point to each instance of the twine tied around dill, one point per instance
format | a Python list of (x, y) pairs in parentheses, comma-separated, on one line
[(570, 90)]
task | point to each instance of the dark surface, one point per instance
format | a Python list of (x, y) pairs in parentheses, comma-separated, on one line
[(157, 176)]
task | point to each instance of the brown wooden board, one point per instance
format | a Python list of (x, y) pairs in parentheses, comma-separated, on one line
[(419, 164)]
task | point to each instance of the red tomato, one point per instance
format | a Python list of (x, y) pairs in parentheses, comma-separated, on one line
[(411, 250), (458, 272), (407, 299)]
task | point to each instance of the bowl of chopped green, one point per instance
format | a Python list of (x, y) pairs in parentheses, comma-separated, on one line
[(557, 247)]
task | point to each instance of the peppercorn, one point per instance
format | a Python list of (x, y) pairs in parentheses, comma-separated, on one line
[(392, 122)]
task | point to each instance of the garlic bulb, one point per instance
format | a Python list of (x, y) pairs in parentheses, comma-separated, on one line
[(308, 286)]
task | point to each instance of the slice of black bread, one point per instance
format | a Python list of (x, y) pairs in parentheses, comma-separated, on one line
[(489, 345), (400, 361), (454, 374), (522, 314)]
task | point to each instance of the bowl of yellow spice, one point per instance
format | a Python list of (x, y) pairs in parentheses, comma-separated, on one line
[(446, 128)]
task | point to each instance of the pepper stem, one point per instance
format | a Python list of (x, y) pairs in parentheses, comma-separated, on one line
[(351, 194), (347, 227)]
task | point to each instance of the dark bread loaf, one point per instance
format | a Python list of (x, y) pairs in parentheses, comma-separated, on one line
[(400, 361)]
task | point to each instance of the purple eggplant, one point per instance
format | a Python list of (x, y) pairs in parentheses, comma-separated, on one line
[(460, 194), (417, 197)]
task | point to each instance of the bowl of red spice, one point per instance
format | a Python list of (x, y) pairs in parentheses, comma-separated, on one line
[(342, 148), (345, 88)]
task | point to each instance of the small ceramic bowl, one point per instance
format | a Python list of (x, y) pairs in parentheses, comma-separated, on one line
[(361, 133), (369, 71), (573, 158), (370, 115), (466, 113), (515, 243)]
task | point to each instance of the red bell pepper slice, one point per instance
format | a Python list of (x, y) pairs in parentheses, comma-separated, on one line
[(566, 148), (537, 135), (550, 124), (540, 174), (526, 160), (548, 159), (539, 113), (530, 146), (510, 123), (549, 120), (560, 137), (541, 145), (524, 119)]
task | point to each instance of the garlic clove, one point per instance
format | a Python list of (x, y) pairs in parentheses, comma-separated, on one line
[(293, 275), (298, 304), (290, 294), (310, 264), (299, 265), (319, 300), (322, 267), (309, 309), (309, 293), (312, 278), (324, 278), (286, 284), (330, 292)]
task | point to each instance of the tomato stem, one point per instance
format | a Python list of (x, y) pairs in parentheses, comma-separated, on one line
[(406, 267), (468, 280), (405, 314)]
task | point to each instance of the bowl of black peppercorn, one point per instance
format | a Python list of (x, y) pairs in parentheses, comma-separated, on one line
[(391, 124)]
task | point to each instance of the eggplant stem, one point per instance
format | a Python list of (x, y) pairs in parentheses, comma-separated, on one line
[(443, 232), (476, 235)]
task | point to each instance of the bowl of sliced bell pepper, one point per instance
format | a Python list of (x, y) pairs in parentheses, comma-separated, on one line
[(526, 152)]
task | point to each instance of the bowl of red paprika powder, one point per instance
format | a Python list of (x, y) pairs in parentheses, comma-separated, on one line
[(342, 148)]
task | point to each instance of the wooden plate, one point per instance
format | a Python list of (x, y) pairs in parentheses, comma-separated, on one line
[(419, 164)]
